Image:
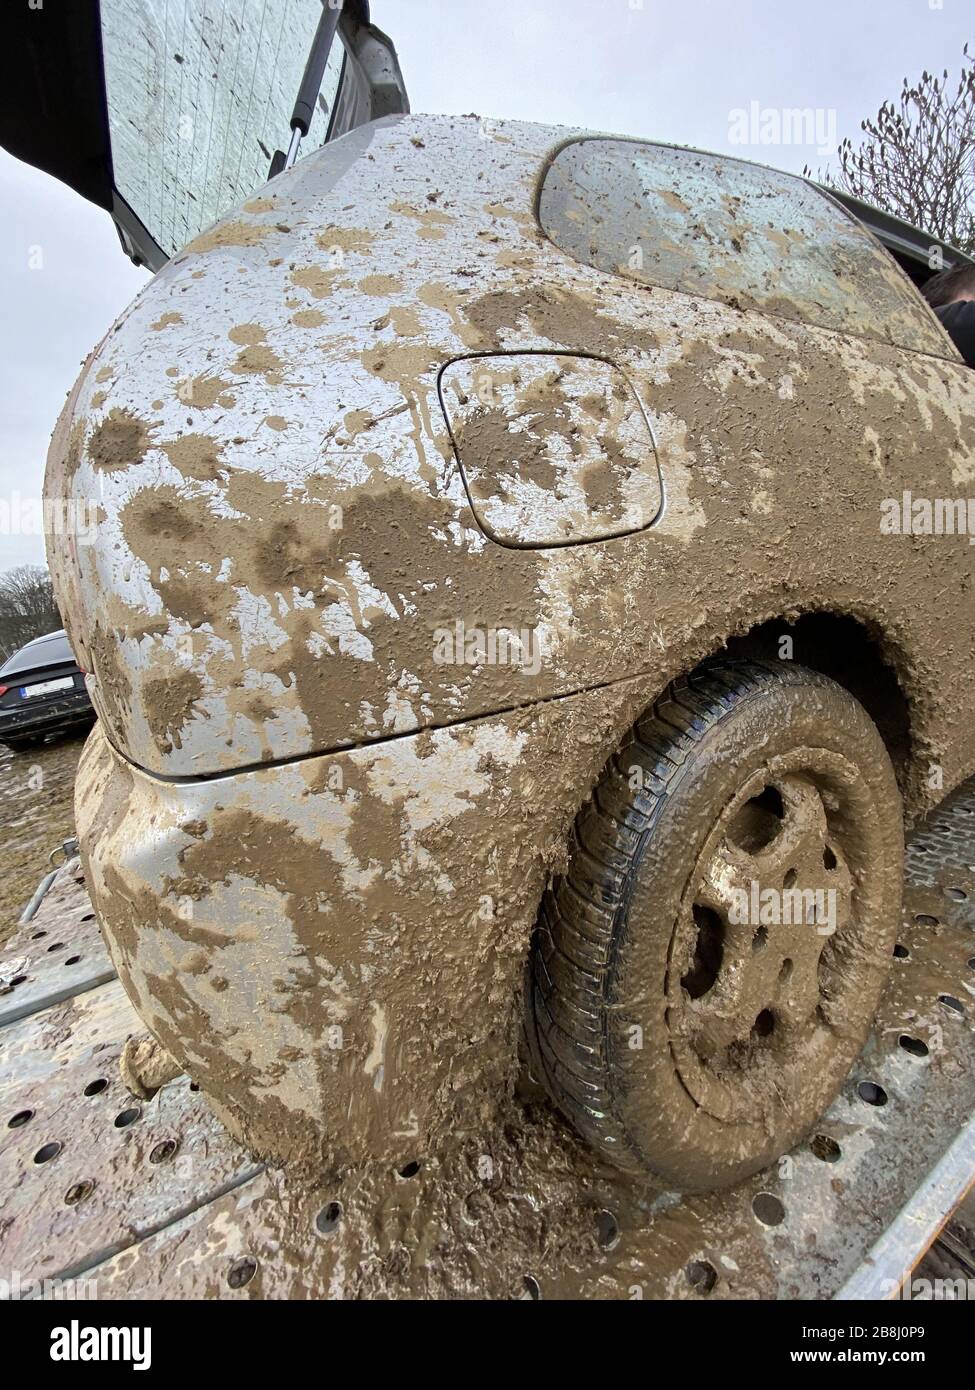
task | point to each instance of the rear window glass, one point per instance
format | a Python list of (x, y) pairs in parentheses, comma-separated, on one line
[(49, 651), (741, 233)]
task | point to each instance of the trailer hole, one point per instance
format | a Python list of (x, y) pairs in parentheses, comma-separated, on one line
[(47, 1151), (127, 1117), (194, 1085), (163, 1151), (72, 960), (327, 1220), (78, 1192), (95, 1088), (924, 919), (409, 1170), (21, 1118), (17, 980), (829, 858), (37, 935), (533, 1292), (88, 917), (971, 963), (914, 1046), (901, 952), (242, 1272), (768, 1209), (957, 895), (872, 1093), (701, 1275), (607, 1230), (949, 1002), (56, 946), (826, 1148)]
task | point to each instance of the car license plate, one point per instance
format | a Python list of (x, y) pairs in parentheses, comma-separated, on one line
[(46, 687)]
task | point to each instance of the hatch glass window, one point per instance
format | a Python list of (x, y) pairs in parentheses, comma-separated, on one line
[(199, 98)]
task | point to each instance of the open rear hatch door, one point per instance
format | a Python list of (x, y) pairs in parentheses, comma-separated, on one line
[(169, 115)]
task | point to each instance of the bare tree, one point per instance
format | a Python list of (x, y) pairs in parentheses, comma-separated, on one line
[(27, 607), (917, 159)]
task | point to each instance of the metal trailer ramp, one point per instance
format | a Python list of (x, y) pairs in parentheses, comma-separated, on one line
[(154, 1200)]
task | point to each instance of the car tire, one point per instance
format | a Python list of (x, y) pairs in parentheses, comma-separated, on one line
[(686, 1035)]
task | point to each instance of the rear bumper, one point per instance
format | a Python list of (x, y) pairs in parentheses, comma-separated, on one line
[(74, 708), (334, 947)]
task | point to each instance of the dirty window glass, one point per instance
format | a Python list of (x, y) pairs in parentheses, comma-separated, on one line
[(200, 95), (741, 233)]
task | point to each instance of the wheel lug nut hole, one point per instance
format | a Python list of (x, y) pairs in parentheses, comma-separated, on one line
[(914, 1046)]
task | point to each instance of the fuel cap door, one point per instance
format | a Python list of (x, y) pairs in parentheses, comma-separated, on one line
[(554, 448)]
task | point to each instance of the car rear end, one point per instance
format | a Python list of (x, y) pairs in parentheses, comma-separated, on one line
[(42, 690)]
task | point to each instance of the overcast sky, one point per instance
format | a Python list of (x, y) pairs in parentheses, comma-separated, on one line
[(673, 70)]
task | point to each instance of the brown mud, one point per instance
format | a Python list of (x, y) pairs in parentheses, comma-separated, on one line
[(36, 817)]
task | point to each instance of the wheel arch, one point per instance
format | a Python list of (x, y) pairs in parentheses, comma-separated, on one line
[(859, 655)]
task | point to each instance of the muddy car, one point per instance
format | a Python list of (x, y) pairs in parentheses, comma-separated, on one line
[(515, 638)]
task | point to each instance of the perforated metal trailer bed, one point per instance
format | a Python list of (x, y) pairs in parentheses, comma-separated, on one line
[(153, 1199)]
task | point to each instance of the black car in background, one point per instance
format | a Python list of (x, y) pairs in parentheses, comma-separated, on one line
[(42, 689)]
